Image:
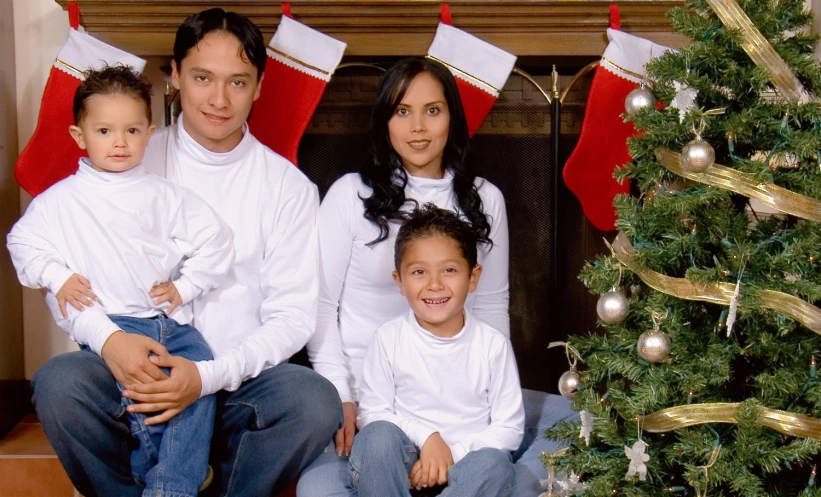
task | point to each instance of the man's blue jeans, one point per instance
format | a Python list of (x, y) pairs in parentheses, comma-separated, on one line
[(265, 432), (171, 458), (382, 457)]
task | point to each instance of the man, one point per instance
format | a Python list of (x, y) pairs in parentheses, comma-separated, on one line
[(273, 418)]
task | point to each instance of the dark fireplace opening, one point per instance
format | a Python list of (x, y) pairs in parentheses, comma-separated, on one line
[(549, 237)]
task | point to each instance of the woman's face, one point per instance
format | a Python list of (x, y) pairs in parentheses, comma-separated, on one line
[(419, 127)]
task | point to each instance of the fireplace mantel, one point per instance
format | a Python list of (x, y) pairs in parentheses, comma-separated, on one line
[(395, 27)]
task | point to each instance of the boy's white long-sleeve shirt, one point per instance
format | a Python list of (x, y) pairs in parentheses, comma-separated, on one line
[(465, 387), (266, 310), (124, 232), (358, 294)]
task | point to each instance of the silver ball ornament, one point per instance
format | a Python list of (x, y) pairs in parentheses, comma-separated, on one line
[(654, 346), (697, 156), (613, 306), (569, 383), (638, 99)]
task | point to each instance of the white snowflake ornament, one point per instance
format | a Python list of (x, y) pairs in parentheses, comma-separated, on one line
[(684, 100), (587, 426), (637, 458)]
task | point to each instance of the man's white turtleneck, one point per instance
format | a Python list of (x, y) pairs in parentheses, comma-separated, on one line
[(124, 232), (466, 387), (266, 310), (359, 295)]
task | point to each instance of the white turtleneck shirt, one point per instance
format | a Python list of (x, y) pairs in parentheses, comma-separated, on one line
[(124, 232), (358, 294), (266, 309), (465, 387)]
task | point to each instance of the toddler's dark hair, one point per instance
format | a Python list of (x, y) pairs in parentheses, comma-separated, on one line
[(430, 220), (112, 80)]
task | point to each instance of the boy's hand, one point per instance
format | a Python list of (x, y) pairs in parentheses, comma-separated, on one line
[(435, 459), (344, 436), (166, 292), (77, 292)]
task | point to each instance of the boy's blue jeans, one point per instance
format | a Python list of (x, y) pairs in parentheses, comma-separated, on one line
[(171, 458), (382, 457)]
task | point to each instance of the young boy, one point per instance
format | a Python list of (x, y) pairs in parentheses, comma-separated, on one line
[(147, 248), (440, 401)]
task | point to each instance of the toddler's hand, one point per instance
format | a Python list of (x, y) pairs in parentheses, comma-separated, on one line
[(166, 292), (77, 292), (435, 459)]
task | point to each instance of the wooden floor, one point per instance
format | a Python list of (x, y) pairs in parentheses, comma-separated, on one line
[(30, 468), (28, 465)]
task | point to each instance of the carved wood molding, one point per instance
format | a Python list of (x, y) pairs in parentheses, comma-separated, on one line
[(395, 27)]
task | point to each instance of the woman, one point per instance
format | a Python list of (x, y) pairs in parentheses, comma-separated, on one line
[(418, 154)]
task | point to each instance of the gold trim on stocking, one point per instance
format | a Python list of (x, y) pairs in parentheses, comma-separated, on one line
[(304, 64), (71, 68), (463, 73)]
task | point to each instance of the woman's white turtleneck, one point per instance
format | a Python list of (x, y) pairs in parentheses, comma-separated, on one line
[(266, 310), (358, 293), (124, 232)]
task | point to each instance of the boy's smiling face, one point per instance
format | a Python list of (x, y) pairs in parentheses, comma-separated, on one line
[(435, 278)]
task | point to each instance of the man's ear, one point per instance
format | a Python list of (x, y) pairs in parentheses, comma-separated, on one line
[(259, 87), (474, 278), (175, 75), (398, 280), (77, 134)]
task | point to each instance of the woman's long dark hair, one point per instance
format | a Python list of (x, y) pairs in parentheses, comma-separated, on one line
[(384, 173)]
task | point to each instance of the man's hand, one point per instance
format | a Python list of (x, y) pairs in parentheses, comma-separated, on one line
[(344, 437), (77, 292), (172, 395), (166, 292), (435, 459), (127, 356)]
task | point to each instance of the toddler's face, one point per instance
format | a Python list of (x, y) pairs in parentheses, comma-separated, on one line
[(114, 131), (435, 278)]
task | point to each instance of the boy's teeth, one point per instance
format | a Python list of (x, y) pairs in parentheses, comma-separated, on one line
[(436, 301)]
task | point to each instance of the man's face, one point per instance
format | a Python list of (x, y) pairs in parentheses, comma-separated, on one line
[(218, 86)]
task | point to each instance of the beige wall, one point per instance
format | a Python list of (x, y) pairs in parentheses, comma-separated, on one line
[(40, 28), (11, 305)]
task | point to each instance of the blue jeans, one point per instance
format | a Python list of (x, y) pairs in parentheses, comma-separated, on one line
[(265, 432), (171, 458), (327, 476), (382, 457)]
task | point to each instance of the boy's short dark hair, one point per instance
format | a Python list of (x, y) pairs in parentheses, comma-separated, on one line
[(196, 26), (430, 220), (112, 80)]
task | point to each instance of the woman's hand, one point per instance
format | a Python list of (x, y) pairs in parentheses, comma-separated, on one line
[(344, 437)]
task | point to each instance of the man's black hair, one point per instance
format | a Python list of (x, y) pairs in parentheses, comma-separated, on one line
[(196, 26)]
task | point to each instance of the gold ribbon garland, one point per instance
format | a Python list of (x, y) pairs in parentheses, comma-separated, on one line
[(759, 49), (716, 293), (675, 418), (771, 195)]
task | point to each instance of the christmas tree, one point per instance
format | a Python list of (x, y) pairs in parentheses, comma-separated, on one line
[(702, 377)]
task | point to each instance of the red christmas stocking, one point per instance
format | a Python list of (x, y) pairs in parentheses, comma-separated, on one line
[(51, 153), (602, 145), (300, 63), (480, 69)]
